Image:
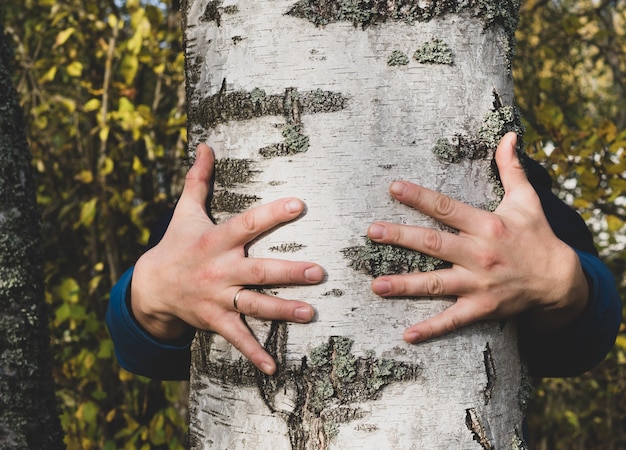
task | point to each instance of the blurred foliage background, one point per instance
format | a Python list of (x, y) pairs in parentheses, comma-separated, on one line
[(102, 84)]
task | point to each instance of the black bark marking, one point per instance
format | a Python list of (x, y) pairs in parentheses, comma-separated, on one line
[(490, 370)]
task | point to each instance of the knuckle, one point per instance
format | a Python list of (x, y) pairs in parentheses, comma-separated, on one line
[(487, 259), (444, 205), (432, 241), (258, 273), (451, 324), (494, 226), (434, 285), (248, 221)]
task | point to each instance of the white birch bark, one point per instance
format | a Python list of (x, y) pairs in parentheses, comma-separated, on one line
[(321, 113)]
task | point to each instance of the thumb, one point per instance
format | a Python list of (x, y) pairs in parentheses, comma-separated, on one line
[(511, 171), (197, 181)]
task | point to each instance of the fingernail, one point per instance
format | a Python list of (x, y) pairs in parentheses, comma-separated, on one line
[(397, 188), (303, 313), (267, 368), (293, 206), (381, 287), (411, 336), (314, 274), (376, 231)]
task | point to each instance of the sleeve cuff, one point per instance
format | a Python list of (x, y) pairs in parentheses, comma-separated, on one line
[(136, 350), (586, 341)]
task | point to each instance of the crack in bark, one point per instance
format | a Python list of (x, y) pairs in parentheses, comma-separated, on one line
[(490, 370), (479, 432)]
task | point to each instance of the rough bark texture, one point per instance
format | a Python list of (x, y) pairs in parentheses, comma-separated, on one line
[(28, 409), (331, 100)]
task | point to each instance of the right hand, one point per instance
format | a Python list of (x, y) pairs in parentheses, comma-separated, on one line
[(192, 275)]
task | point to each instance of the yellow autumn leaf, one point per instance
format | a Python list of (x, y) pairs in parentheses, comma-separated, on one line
[(63, 36), (49, 75), (111, 415), (129, 67), (159, 69), (614, 223), (84, 176), (112, 20), (107, 166), (620, 342), (138, 167), (92, 105), (104, 133), (75, 69), (88, 212)]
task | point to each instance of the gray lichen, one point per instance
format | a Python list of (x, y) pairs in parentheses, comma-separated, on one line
[(496, 123), (365, 13), (382, 259), (397, 58), (434, 52)]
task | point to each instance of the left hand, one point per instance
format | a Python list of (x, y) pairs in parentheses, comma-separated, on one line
[(503, 263)]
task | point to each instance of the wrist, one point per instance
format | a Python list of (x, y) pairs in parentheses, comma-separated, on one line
[(568, 293), (143, 300)]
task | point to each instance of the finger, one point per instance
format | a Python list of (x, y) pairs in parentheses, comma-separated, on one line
[(237, 333), (512, 174), (246, 226), (262, 306), (440, 244), (459, 315), (262, 272), (438, 206), (196, 188), (437, 283)]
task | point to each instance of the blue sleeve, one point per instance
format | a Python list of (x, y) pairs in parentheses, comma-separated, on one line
[(136, 350), (585, 342)]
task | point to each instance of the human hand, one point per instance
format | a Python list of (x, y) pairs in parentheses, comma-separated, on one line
[(192, 276), (503, 263)]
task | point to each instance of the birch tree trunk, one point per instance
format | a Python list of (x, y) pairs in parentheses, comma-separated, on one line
[(329, 101)]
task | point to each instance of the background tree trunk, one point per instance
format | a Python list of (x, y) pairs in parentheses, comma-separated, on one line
[(330, 101), (28, 407)]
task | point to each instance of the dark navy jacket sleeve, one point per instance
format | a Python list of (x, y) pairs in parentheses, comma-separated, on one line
[(136, 350), (586, 341)]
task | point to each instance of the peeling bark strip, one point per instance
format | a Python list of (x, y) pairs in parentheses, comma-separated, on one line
[(365, 13), (478, 430)]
